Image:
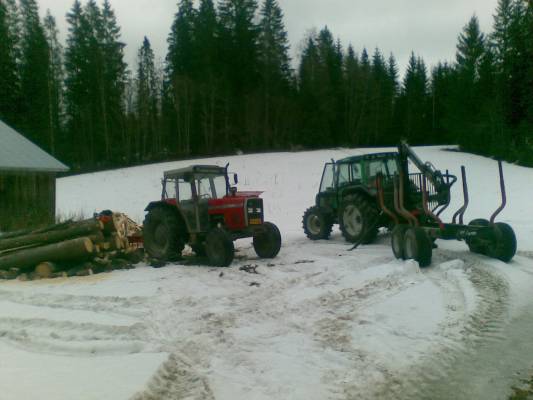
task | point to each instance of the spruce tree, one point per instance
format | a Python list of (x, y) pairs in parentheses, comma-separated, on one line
[(274, 66), (35, 66), (208, 72), (55, 81), (149, 140), (8, 71), (180, 70), (239, 56)]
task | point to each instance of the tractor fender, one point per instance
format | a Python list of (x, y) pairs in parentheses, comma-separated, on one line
[(172, 207), (359, 190), (155, 204)]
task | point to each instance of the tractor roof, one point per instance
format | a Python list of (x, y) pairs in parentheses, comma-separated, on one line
[(201, 170), (373, 156)]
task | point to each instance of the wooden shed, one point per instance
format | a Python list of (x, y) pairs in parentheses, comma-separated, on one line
[(27, 182)]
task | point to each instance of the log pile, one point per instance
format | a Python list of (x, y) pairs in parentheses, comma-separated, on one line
[(106, 242)]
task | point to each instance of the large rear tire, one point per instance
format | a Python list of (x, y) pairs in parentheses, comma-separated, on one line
[(504, 246), (219, 248), (317, 225), (418, 246), (357, 219), (163, 233), (267, 243)]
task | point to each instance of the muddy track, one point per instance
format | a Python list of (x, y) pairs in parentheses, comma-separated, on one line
[(447, 372)]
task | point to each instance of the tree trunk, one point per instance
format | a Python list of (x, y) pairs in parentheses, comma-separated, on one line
[(85, 228), (76, 249)]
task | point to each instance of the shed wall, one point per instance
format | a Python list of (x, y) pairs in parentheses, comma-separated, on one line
[(26, 200)]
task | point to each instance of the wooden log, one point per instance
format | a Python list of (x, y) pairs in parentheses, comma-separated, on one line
[(84, 228), (97, 237), (46, 269), (23, 232), (72, 250)]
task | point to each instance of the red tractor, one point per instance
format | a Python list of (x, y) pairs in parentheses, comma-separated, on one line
[(200, 208)]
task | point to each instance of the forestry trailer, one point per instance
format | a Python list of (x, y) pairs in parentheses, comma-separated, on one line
[(364, 193), (199, 207)]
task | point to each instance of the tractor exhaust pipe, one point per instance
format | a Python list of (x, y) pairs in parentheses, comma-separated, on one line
[(504, 194)]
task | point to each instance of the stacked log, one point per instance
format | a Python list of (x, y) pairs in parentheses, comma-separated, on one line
[(106, 242)]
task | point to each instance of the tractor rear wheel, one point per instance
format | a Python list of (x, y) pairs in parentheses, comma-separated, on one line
[(418, 246), (317, 225), (163, 233), (397, 241), (199, 249), (357, 219), (474, 244), (504, 246), (267, 243), (219, 248)]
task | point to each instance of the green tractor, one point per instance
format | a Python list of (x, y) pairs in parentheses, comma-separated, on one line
[(364, 193)]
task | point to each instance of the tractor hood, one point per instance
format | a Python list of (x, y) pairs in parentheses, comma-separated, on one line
[(248, 194)]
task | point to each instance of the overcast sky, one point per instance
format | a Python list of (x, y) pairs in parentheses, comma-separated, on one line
[(427, 27)]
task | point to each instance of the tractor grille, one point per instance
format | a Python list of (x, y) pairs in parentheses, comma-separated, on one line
[(254, 211)]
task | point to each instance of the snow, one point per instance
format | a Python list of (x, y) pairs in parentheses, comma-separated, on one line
[(318, 322)]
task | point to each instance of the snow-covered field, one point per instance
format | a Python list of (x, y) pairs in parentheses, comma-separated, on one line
[(318, 322)]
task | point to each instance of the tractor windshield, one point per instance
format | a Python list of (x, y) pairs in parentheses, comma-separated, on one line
[(212, 187)]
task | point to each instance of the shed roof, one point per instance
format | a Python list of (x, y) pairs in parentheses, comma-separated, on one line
[(19, 154)]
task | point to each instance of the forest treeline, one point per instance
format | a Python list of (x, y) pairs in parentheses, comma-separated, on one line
[(228, 83)]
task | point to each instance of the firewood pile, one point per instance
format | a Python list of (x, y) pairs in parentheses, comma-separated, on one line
[(106, 242)]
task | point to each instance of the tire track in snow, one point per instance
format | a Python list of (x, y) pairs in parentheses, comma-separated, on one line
[(128, 306), (176, 379), (446, 369), (70, 338), (70, 332)]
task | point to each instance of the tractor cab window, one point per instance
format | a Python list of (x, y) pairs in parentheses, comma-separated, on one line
[(356, 173), (385, 166), (184, 192), (205, 190), (344, 174), (220, 186), (327, 183)]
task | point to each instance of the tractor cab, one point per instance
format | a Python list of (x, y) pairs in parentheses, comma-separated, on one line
[(197, 189), (358, 172)]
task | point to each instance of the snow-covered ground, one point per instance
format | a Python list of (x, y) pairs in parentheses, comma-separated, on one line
[(318, 322)]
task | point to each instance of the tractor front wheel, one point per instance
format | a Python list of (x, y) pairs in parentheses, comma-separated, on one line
[(418, 246), (317, 225), (267, 242), (357, 220), (504, 246), (219, 248), (163, 234)]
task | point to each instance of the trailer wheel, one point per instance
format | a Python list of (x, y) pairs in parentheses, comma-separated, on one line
[(474, 244), (357, 218), (219, 248), (317, 225), (163, 234), (504, 246), (267, 243), (418, 246), (397, 241)]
